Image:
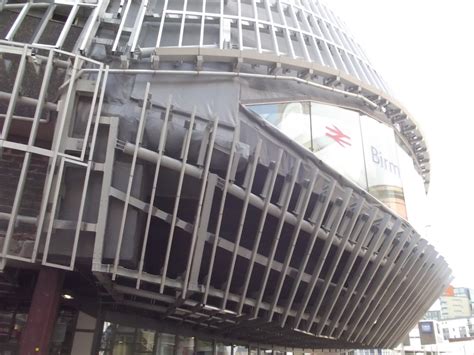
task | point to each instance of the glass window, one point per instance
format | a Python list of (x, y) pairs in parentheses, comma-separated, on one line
[(119, 339), (240, 350), (186, 345), (291, 118), (204, 347), (63, 333), (223, 349), (337, 141), (166, 344), (7, 321), (360, 148)]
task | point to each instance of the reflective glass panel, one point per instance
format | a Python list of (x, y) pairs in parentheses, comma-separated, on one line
[(337, 141), (240, 350), (360, 148), (166, 344), (291, 118), (223, 349), (204, 347)]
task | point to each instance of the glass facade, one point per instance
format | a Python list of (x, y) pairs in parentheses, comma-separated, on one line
[(118, 339), (362, 149), (13, 321)]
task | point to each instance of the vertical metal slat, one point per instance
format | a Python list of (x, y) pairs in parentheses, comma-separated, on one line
[(197, 219), (91, 113), (67, 26), (18, 21), (397, 303), (43, 23), (261, 225), (371, 277), (248, 190), (90, 161), (133, 41), (361, 318), (397, 290), (52, 217), (317, 269), (138, 141), (308, 250), (62, 117), (161, 148), (121, 26), (27, 158), (225, 190), (353, 228), (347, 268), (304, 199), (185, 152), (14, 96), (361, 270), (281, 222), (162, 23)]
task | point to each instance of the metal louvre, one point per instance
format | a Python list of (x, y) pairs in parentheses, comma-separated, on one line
[(292, 38), (205, 235), (74, 88)]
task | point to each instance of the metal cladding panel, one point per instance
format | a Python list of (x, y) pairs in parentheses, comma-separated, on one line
[(186, 204)]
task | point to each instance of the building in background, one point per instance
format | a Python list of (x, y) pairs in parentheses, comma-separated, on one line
[(455, 302), (466, 292), (212, 176), (445, 337), (455, 307), (447, 327)]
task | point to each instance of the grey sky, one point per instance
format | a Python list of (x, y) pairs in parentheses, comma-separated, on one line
[(425, 51)]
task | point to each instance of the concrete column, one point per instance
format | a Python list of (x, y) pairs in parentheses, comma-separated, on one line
[(36, 337)]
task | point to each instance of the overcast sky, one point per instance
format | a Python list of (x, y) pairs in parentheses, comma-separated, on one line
[(425, 52)]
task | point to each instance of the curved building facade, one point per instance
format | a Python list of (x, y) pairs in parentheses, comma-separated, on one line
[(212, 174)]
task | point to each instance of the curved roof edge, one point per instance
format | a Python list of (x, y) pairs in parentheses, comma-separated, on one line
[(314, 74)]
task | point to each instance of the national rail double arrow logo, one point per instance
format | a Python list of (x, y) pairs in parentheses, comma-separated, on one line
[(336, 134)]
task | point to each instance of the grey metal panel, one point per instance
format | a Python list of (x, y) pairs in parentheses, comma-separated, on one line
[(385, 243), (267, 197), (198, 229), (349, 264), (227, 180), (394, 298), (377, 276), (184, 157), (250, 175), (415, 285), (381, 289), (290, 185), (161, 145), (352, 229), (321, 212), (319, 264), (304, 198)]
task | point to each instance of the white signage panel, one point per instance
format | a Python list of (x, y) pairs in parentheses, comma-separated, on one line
[(381, 162)]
